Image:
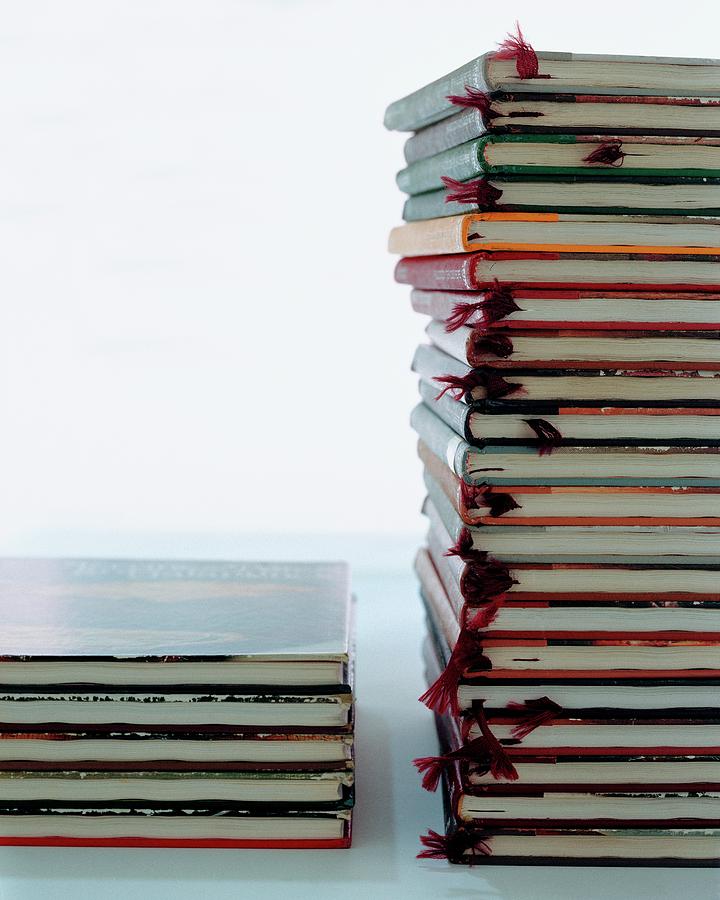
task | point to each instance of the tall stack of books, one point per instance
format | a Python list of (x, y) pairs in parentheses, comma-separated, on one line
[(180, 704), (562, 235)]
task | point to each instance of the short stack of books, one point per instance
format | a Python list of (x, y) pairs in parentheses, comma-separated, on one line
[(563, 235), (180, 704)]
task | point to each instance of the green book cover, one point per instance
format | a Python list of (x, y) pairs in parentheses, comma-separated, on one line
[(471, 160), (573, 193)]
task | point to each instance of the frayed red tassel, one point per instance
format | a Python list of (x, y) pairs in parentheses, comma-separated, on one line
[(482, 496), (485, 616), (500, 764), (441, 696), (494, 384), (475, 99), (480, 192), (516, 47), (461, 315), (549, 438), (464, 549), (498, 345), (432, 767), (497, 303), (609, 153), (485, 580), (454, 846), (436, 845), (544, 711)]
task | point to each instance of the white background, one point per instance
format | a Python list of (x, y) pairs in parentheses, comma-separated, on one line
[(202, 351), (199, 330)]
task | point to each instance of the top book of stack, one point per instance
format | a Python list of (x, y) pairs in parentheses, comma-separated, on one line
[(519, 70)]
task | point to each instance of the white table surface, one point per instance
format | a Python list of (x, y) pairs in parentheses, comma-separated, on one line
[(392, 809)]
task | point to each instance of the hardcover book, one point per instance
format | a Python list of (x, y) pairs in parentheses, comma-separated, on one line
[(575, 505), (558, 233), (560, 271), (565, 193), (58, 826), (499, 113), (506, 310), (556, 616), (514, 715), (518, 68), (129, 622), (641, 544), (485, 654), (533, 388), (503, 423), (479, 582), (673, 351), (170, 751), (513, 465), (555, 769), (564, 154)]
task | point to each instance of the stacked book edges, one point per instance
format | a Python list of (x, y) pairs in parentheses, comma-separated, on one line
[(175, 704), (562, 236)]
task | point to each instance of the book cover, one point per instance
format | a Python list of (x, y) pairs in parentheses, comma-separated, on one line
[(585, 717), (165, 622), (519, 68), (536, 388), (647, 545), (500, 424), (140, 751), (161, 827), (575, 505), (551, 232), (566, 348), (556, 271), (570, 656), (254, 791), (631, 466), (507, 310), (568, 194), (551, 771), (527, 113), (564, 154)]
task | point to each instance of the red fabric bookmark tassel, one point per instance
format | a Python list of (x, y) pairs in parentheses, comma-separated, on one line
[(441, 696), (484, 579), (464, 549), (543, 710), (497, 303), (482, 496), (498, 345), (461, 315), (549, 438), (453, 847), (485, 616), (432, 767), (516, 47), (494, 384), (479, 192), (609, 153), (500, 763), (475, 99)]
